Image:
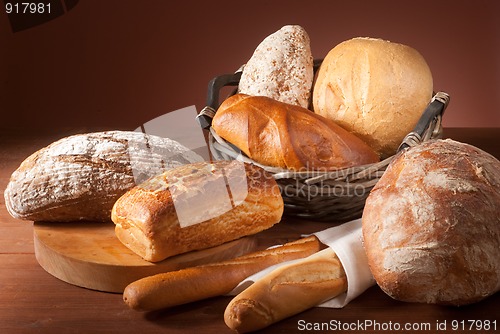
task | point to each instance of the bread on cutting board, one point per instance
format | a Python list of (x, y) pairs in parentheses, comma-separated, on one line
[(81, 176), (196, 206)]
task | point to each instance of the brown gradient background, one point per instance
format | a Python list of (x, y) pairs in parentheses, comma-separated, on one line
[(121, 63)]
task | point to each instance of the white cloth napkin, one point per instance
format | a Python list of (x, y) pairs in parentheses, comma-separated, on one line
[(346, 242)]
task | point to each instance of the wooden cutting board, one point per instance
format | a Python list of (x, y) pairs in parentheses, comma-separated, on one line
[(89, 255)]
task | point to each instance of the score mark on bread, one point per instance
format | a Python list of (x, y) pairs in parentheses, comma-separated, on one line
[(81, 176)]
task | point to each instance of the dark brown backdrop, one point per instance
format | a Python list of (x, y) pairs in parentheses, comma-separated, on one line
[(120, 63)]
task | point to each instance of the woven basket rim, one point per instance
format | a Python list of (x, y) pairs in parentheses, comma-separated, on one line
[(334, 194), (219, 145)]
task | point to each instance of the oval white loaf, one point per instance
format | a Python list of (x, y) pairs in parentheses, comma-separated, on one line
[(281, 68), (81, 176), (431, 225)]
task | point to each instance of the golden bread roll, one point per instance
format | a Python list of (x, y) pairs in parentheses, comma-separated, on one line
[(196, 206), (282, 135), (374, 88), (431, 225)]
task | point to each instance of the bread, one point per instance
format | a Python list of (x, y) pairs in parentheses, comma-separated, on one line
[(215, 279), (281, 68), (286, 291), (282, 135), (431, 225), (196, 206), (81, 176), (374, 88)]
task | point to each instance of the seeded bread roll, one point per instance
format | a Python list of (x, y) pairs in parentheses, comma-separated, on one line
[(196, 206), (431, 225), (281, 67)]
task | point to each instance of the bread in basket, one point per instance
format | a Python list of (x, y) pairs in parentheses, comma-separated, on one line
[(334, 195)]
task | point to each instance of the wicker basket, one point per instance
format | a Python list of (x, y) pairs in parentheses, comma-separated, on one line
[(334, 196)]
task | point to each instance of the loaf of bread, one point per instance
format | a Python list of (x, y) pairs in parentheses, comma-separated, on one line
[(431, 225), (281, 68), (282, 135), (286, 291), (196, 206), (215, 279), (81, 176), (374, 88)]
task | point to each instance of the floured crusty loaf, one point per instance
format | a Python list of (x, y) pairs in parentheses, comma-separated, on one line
[(281, 67), (431, 225), (196, 206), (374, 88), (81, 176), (282, 135)]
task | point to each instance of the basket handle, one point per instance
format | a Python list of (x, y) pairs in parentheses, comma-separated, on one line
[(429, 123), (205, 116)]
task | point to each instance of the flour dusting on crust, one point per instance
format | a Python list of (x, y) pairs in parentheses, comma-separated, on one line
[(431, 225), (281, 68), (80, 177)]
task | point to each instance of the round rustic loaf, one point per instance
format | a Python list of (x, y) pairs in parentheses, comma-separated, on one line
[(374, 88), (431, 225)]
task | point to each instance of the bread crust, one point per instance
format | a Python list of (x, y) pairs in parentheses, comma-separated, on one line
[(374, 88), (431, 225), (283, 135), (281, 68), (196, 206), (286, 291), (215, 279), (81, 176)]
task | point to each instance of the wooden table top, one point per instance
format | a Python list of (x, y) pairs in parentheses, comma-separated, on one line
[(34, 301)]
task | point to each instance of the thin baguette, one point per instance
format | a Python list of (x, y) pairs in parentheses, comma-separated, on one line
[(286, 291), (197, 283)]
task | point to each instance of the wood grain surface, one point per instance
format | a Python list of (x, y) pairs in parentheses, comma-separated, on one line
[(34, 301), (88, 254)]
